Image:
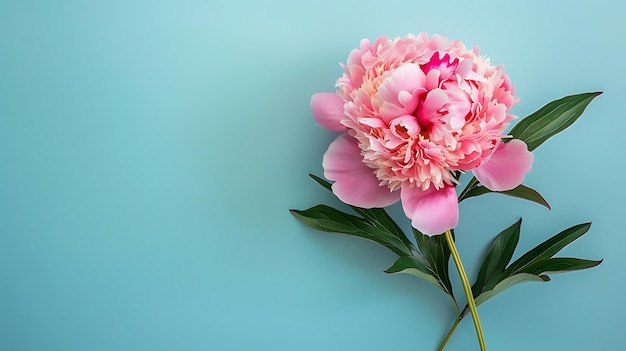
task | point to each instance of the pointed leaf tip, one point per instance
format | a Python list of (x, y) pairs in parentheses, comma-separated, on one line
[(559, 265), (321, 181)]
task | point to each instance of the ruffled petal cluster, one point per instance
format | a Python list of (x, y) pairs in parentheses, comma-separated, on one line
[(415, 112)]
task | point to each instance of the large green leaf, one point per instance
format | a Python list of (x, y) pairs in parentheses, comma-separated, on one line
[(497, 258), (328, 219), (377, 217), (521, 191), (415, 265), (436, 255), (548, 248), (551, 119)]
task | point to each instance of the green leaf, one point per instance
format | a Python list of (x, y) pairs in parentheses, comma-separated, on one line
[(377, 217), (497, 258), (551, 119), (328, 219), (521, 191), (548, 248), (532, 266), (415, 266), (436, 255), (509, 282), (559, 265)]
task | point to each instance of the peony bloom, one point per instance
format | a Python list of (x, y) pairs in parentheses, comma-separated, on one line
[(415, 111)]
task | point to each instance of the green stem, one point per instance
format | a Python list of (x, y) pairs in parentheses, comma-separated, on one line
[(468, 290), (450, 332)]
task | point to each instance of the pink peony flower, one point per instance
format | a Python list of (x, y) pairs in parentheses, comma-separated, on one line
[(415, 111)]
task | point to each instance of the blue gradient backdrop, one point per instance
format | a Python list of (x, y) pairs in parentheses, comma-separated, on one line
[(150, 150)]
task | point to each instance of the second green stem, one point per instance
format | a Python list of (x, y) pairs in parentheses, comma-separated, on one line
[(467, 288)]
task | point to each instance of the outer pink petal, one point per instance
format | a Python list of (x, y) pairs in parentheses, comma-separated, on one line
[(431, 211), (355, 183), (505, 169), (327, 110)]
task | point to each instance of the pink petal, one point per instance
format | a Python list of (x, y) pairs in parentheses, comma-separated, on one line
[(327, 110), (432, 79), (505, 169), (431, 211), (459, 108), (429, 112), (464, 68), (408, 123), (398, 93), (355, 183)]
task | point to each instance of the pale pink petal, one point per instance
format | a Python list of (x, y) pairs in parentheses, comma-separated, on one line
[(431, 211), (372, 122), (327, 110), (355, 183), (398, 93), (459, 106), (505, 169), (464, 68)]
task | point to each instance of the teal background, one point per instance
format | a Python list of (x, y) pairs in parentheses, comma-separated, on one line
[(150, 151)]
